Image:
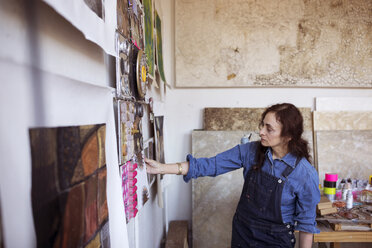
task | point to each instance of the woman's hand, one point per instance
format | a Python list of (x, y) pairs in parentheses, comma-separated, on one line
[(153, 167)]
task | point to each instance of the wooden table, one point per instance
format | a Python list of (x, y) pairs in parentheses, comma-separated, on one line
[(335, 238)]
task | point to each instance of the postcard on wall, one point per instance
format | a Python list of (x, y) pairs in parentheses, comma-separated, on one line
[(159, 47), (68, 193), (149, 35), (123, 17), (159, 138), (149, 153)]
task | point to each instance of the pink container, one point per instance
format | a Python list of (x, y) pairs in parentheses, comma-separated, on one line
[(331, 177)]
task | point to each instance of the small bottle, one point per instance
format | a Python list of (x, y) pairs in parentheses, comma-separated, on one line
[(345, 189), (349, 199), (342, 184)]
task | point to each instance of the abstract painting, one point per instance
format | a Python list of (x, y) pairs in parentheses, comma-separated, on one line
[(159, 46), (273, 43), (149, 35), (68, 193)]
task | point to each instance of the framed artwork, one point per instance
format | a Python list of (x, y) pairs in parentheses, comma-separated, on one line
[(68, 192), (149, 36), (159, 47)]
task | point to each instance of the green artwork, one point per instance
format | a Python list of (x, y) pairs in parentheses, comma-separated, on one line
[(159, 46), (149, 36)]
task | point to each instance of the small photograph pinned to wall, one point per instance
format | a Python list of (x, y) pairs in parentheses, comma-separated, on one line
[(142, 183), (159, 47), (133, 6), (123, 17), (68, 191), (159, 138), (124, 87), (136, 30), (97, 6), (149, 153), (127, 146), (149, 36)]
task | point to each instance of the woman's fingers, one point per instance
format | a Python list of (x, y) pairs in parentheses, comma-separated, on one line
[(152, 163), (152, 166)]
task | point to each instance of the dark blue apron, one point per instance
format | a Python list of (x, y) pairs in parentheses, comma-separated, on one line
[(258, 219)]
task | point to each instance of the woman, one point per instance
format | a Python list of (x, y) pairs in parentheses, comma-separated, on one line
[(280, 191)]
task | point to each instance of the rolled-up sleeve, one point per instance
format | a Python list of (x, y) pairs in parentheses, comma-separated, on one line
[(307, 199), (214, 166)]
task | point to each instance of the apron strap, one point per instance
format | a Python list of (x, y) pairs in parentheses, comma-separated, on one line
[(289, 169)]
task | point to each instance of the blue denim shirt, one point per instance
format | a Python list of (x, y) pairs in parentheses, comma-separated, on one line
[(300, 193)]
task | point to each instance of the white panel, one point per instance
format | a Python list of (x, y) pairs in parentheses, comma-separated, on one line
[(343, 104)]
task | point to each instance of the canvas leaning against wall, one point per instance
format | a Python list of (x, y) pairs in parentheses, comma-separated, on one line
[(68, 191)]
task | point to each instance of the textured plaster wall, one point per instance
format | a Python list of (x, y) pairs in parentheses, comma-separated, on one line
[(298, 43)]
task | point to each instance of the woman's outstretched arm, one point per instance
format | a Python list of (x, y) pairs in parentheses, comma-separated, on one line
[(154, 167)]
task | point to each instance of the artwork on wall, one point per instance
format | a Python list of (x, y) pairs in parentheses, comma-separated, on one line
[(149, 36), (129, 187), (133, 6), (68, 193), (124, 86), (136, 33), (123, 18), (159, 138), (131, 149), (159, 47), (149, 153), (126, 130), (230, 44), (141, 75)]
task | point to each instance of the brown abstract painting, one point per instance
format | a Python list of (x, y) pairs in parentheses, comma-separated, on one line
[(68, 192)]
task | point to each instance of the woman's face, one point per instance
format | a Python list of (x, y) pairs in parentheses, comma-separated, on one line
[(270, 132)]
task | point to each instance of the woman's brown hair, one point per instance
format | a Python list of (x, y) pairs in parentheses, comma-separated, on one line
[(292, 126)]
